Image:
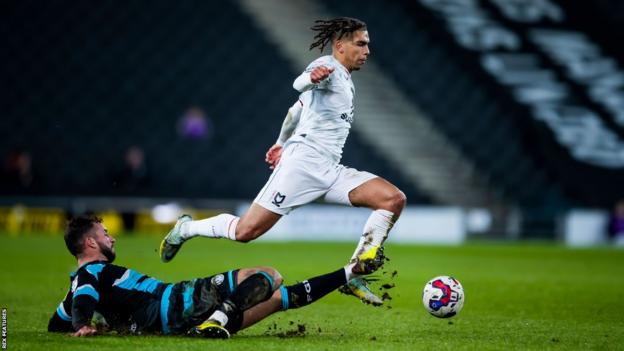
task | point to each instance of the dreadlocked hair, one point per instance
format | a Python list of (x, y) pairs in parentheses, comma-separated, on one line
[(334, 29)]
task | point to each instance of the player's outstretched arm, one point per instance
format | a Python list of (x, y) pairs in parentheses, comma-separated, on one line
[(308, 80)]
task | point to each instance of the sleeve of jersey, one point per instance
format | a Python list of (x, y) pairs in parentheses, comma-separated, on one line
[(290, 122), (86, 297), (61, 320), (57, 324), (304, 81)]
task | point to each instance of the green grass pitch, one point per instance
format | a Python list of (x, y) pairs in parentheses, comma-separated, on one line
[(522, 296)]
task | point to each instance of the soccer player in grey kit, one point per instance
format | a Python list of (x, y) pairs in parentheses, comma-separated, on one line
[(306, 160)]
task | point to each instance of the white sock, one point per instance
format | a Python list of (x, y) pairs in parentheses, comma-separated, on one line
[(349, 271), (219, 317), (359, 248), (221, 226), (375, 231)]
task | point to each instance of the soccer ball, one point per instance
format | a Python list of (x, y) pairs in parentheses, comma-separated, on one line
[(443, 296)]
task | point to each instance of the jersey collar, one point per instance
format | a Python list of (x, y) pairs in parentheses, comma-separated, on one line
[(344, 69)]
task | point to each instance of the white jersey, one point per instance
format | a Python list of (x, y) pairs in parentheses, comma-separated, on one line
[(327, 110)]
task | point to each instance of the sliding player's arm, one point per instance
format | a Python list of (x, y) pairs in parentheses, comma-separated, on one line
[(85, 299), (61, 320), (289, 125)]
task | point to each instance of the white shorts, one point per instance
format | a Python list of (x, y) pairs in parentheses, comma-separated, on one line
[(304, 175)]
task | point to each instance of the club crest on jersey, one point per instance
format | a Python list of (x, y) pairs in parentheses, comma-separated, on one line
[(347, 118), (278, 199), (218, 279)]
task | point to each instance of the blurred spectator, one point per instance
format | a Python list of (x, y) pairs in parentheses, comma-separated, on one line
[(131, 180), (194, 124), (18, 176), (616, 224)]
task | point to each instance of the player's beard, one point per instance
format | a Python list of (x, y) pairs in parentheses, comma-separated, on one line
[(108, 252)]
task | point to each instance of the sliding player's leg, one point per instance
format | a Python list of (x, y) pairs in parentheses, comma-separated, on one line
[(250, 298), (251, 286)]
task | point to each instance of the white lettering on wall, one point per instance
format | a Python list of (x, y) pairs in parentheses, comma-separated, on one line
[(576, 127)]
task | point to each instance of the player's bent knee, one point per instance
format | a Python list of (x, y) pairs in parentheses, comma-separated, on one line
[(400, 199), (395, 202), (277, 277), (274, 274)]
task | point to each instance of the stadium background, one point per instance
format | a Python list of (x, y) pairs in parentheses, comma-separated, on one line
[(142, 110), (200, 94)]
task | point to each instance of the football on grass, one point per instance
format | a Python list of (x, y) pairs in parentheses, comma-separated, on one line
[(443, 296)]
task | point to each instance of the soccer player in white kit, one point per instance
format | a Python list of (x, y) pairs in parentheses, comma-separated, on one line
[(306, 161)]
